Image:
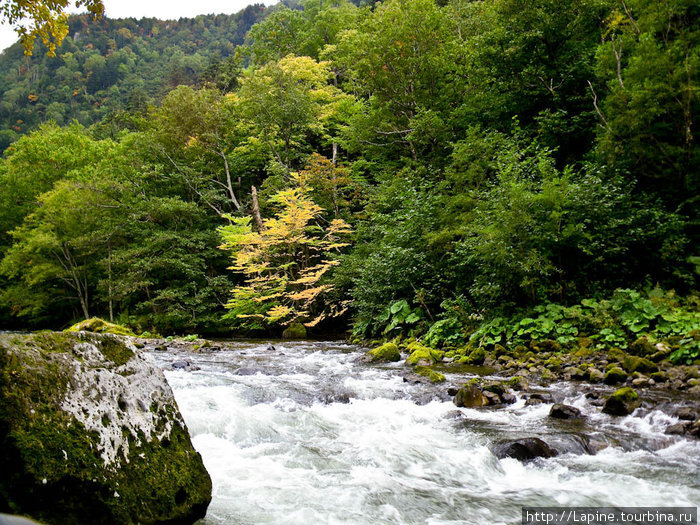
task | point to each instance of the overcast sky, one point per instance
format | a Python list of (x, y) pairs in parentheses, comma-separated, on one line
[(164, 9)]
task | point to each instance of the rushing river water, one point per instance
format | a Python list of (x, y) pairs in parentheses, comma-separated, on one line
[(310, 434)]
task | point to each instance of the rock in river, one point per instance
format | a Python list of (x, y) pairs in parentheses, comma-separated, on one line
[(561, 411), (525, 449), (90, 432)]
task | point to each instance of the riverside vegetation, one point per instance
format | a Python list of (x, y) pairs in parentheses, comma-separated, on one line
[(474, 181)]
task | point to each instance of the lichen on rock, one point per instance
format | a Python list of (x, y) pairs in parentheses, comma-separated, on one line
[(89, 427)]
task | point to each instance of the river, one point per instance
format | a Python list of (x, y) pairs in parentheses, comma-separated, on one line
[(308, 433)]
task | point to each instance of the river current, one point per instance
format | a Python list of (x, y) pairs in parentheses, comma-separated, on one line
[(307, 433)]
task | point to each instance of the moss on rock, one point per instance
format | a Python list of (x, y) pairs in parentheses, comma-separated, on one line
[(633, 363), (623, 402), (91, 432), (614, 375), (388, 352), (641, 347), (423, 356), (435, 377), (476, 357), (100, 326)]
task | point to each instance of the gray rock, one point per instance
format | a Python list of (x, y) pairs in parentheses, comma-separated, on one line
[(91, 432), (525, 449), (561, 411)]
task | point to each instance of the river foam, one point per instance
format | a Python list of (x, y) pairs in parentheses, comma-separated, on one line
[(317, 436)]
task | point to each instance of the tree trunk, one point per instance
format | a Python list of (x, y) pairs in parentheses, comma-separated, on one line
[(256, 209)]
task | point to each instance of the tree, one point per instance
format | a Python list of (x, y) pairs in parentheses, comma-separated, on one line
[(284, 263), (47, 20), (649, 63), (288, 100)]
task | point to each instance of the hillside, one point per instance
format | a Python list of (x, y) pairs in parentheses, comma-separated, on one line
[(114, 64)]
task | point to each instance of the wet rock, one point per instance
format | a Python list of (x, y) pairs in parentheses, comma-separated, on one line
[(579, 444), (508, 399), (91, 433), (470, 396), (538, 398), (494, 399), (678, 429), (270, 348), (525, 449), (694, 429), (614, 375), (622, 403), (185, 365), (452, 391), (686, 414), (561, 411), (388, 352)]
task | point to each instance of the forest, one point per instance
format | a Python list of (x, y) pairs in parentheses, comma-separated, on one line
[(441, 169)]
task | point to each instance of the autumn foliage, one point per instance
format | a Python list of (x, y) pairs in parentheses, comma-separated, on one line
[(284, 262)]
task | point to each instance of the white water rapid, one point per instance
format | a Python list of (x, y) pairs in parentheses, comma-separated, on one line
[(309, 434)]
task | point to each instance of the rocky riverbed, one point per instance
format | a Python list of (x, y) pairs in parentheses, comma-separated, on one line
[(293, 432)]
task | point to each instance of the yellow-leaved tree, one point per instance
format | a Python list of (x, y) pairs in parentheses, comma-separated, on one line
[(284, 262)]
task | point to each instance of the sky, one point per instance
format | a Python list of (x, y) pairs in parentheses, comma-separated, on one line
[(164, 9)]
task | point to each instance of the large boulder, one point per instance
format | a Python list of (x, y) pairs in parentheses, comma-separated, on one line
[(90, 433)]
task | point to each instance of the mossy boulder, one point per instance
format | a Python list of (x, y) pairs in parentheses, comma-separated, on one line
[(435, 377), (614, 375), (470, 396), (553, 363), (617, 355), (90, 432), (100, 326), (476, 357), (595, 375), (423, 356), (388, 352), (294, 331), (622, 403), (633, 363), (641, 347)]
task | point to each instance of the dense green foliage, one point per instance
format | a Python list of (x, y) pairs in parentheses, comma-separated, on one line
[(503, 167)]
